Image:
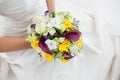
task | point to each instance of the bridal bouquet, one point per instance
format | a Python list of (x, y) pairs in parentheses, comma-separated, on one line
[(55, 36)]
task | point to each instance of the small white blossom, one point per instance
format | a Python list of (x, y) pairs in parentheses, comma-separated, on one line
[(40, 28), (61, 39), (51, 31), (55, 22), (74, 49), (51, 44)]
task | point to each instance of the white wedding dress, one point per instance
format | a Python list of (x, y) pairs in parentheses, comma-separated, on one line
[(94, 62)]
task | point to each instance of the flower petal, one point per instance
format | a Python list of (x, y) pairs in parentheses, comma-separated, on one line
[(72, 35), (33, 26), (47, 13), (67, 55), (43, 45)]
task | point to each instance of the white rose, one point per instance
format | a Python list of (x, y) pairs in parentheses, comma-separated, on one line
[(55, 22), (49, 25), (58, 24), (37, 19), (40, 28)]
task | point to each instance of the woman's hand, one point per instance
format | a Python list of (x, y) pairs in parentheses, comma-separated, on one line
[(12, 44), (51, 5)]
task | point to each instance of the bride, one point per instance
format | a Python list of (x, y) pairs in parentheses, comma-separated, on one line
[(21, 62)]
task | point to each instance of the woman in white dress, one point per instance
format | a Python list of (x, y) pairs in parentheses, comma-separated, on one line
[(21, 62)]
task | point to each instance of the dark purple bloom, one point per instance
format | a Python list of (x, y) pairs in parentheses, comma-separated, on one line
[(57, 34), (47, 13), (33, 26), (75, 22), (67, 55), (43, 45), (72, 35)]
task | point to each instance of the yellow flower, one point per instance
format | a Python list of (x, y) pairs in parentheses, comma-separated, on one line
[(80, 41), (64, 46), (48, 57), (34, 43), (67, 24), (66, 43), (64, 60)]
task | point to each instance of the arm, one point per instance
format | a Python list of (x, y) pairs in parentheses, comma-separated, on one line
[(51, 5), (13, 44)]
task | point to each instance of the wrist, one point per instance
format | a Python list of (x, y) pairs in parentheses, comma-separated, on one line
[(27, 44)]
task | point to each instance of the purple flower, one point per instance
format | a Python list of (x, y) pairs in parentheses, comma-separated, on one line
[(47, 13), (75, 22), (51, 14), (67, 55), (72, 35), (57, 35), (43, 45), (33, 26)]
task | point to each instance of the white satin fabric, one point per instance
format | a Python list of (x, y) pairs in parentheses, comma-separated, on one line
[(94, 63)]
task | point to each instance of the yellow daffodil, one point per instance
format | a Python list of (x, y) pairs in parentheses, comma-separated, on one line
[(67, 24), (64, 46), (66, 43), (64, 61), (80, 41), (48, 57), (34, 43)]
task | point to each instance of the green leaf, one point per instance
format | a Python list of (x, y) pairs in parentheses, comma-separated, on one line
[(52, 15), (59, 30), (36, 34)]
